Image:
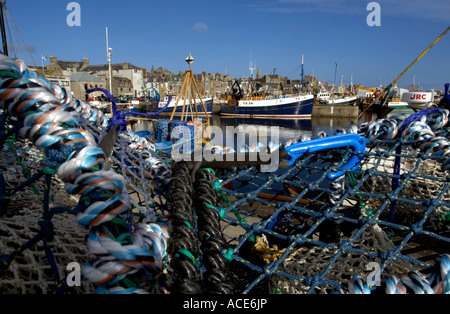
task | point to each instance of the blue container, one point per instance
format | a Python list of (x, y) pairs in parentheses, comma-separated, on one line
[(144, 133), (162, 130)]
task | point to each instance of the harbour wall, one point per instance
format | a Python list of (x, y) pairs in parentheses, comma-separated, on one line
[(335, 111)]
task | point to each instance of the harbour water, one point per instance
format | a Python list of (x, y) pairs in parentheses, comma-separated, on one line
[(288, 128)]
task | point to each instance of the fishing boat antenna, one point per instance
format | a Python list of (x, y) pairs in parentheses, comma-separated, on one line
[(251, 65)]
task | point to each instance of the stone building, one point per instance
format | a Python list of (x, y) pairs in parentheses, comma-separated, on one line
[(213, 84), (123, 87), (127, 79), (161, 80), (61, 80), (271, 83), (82, 81), (65, 68)]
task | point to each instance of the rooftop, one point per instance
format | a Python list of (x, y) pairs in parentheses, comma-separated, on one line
[(84, 77), (114, 66), (69, 64)]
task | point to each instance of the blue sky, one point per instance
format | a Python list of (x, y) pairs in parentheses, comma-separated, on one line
[(222, 35)]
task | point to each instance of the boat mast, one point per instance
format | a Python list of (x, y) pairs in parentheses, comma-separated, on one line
[(302, 73), (2, 25), (252, 68), (251, 65), (108, 56), (270, 83), (334, 84), (351, 83)]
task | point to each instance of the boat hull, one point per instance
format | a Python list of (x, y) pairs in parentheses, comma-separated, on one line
[(295, 107), (348, 101), (398, 105)]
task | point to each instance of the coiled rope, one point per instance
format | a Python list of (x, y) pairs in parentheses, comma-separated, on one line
[(409, 283), (48, 119), (217, 277), (417, 127), (184, 246), (197, 244)]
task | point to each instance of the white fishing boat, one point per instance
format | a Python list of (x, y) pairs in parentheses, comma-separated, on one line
[(344, 100), (341, 100), (323, 96), (187, 105), (398, 104)]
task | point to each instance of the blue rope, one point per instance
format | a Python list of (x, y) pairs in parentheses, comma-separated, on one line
[(415, 117), (119, 117)]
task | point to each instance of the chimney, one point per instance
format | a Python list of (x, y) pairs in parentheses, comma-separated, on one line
[(53, 60), (85, 63)]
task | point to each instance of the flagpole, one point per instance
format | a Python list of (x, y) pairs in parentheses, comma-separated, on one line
[(108, 54), (42, 60)]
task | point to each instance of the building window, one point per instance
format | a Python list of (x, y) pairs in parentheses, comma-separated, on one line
[(65, 83)]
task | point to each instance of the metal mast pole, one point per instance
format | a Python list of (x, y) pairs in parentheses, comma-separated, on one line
[(334, 84), (2, 25), (302, 73), (108, 54)]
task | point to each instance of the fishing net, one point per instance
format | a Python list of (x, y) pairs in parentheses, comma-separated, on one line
[(305, 234), (77, 187)]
